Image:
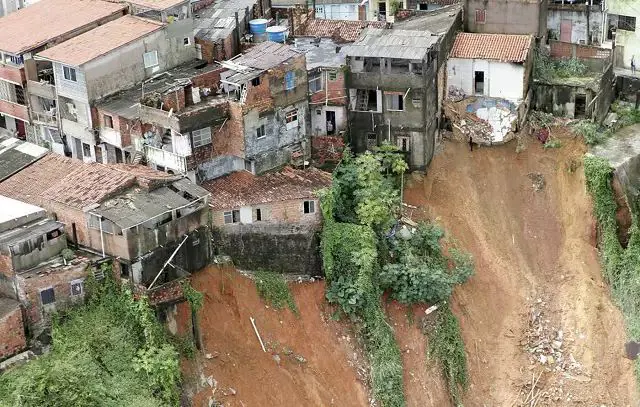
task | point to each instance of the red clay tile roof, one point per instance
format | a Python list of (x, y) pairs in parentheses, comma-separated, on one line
[(242, 188), (501, 47), (47, 20), (344, 29), (71, 182), (100, 41)]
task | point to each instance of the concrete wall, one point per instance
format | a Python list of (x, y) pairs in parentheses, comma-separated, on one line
[(319, 119), (501, 79), (29, 254), (586, 23), (73, 90), (508, 17), (285, 248), (559, 99), (219, 166), (124, 67)]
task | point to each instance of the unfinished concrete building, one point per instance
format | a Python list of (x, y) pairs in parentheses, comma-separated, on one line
[(106, 60), (267, 89), (507, 17)]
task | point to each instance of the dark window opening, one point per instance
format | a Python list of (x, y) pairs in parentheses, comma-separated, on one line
[(86, 150), (53, 234), (47, 296), (309, 207), (367, 100), (479, 82), (20, 95), (627, 23), (258, 215), (76, 288), (260, 132), (255, 81), (118, 155), (423, 7), (480, 16), (124, 270)]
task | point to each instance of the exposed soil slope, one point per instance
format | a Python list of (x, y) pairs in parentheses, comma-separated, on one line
[(527, 220), (310, 360)]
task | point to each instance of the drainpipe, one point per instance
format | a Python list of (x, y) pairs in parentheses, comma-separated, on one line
[(101, 234), (326, 89), (389, 131)]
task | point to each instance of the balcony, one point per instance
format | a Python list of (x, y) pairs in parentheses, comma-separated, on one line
[(14, 110), (12, 74), (166, 159), (42, 89), (45, 118), (111, 136)]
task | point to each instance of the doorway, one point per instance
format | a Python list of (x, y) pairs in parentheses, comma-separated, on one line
[(478, 82), (331, 122), (580, 107), (382, 11)]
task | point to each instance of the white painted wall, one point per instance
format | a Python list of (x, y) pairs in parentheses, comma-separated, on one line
[(337, 11), (319, 121), (246, 214), (501, 79)]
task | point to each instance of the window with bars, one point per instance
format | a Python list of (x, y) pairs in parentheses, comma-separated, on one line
[(260, 132), (201, 137), (627, 23), (315, 83), (77, 287), (108, 121), (333, 75), (291, 117), (20, 99)]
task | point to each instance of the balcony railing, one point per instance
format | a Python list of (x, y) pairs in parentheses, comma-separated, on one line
[(46, 118), (166, 159), (42, 89)]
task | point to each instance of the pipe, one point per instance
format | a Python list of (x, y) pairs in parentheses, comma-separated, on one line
[(101, 233), (75, 235), (389, 133)]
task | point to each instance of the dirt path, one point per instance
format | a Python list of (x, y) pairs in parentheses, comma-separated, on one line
[(310, 360), (526, 219)]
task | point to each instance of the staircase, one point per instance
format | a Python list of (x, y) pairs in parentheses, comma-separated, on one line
[(137, 158)]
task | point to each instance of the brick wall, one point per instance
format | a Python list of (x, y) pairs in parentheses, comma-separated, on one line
[(334, 90), (229, 139), (561, 49), (209, 79), (174, 100), (120, 124), (259, 97), (12, 338), (290, 211)]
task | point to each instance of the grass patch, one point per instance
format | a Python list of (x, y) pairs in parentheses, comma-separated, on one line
[(594, 134), (447, 346), (273, 288), (621, 267)]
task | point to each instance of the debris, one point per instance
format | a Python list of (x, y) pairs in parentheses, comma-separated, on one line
[(212, 355), (431, 309), (232, 391), (276, 357), (253, 322), (538, 180), (632, 349), (300, 359)]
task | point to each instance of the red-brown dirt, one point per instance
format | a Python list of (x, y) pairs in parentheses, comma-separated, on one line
[(532, 248), (318, 362)]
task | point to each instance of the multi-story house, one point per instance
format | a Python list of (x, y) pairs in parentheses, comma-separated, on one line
[(268, 110), (27, 94), (622, 29), (507, 17), (103, 61), (577, 22)]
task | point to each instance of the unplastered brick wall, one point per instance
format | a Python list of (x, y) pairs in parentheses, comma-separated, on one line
[(122, 125), (228, 139), (288, 211), (333, 92), (174, 100), (12, 338)]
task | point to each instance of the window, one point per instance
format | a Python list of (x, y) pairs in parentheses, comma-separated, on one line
[(47, 296), (291, 117), (86, 150), (319, 10), (289, 80), (94, 221), (20, 95), (54, 234), (150, 59), (255, 81), (124, 270), (77, 287), (333, 75), (627, 23), (69, 74), (309, 207), (186, 41), (403, 143), (395, 101), (319, 112), (366, 100), (479, 82), (201, 137), (260, 133), (108, 121), (258, 215), (315, 83), (248, 166), (232, 216), (480, 16)]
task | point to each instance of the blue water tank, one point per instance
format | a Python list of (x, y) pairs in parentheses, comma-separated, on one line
[(258, 26), (277, 33)]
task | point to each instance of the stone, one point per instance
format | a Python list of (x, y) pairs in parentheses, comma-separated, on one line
[(610, 119), (232, 391), (276, 357)]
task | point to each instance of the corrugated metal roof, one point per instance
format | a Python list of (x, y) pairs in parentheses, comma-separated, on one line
[(400, 44), (266, 55), (217, 21)]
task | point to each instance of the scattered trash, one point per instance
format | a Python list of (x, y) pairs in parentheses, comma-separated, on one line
[(538, 180)]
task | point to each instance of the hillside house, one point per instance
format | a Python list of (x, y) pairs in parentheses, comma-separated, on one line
[(488, 78), (130, 212), (623, 29), (579, 22), (267, 90), (27, 94), (106, 60)]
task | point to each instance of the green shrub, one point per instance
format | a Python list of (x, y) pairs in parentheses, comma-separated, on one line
[(591, 132), (344, 292), (273, 288), (447, 346)]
